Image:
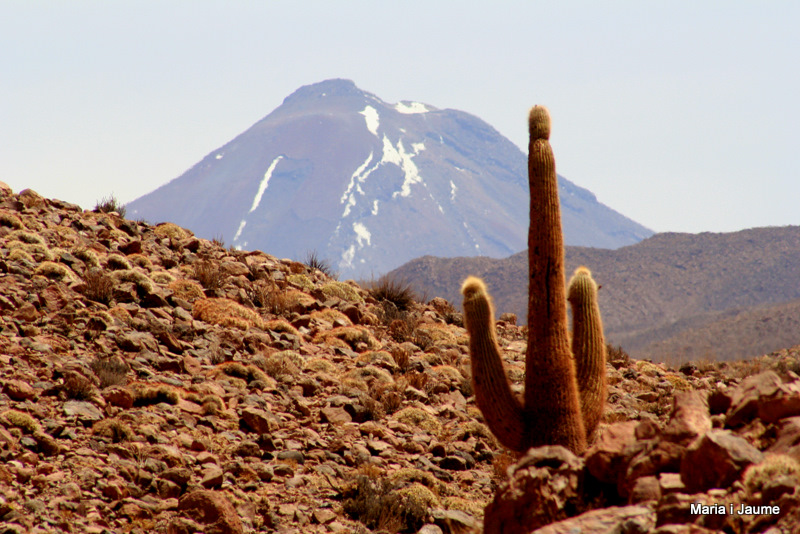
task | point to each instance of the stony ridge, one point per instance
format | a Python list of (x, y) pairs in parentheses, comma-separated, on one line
[(157, 382)]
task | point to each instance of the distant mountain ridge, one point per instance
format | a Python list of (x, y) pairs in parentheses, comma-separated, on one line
[(671, 296), (370, 185)]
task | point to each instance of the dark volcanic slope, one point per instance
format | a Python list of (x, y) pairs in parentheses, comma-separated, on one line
[(370, 185), (658, 291)]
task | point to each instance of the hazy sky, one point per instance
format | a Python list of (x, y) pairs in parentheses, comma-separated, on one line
[(680, 115)]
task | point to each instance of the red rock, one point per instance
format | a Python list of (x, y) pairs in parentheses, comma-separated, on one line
[(131, 247), (689, 418), (18, 390), (605, 458), (745, 398), (543, 485), (645, 489), (788, 436), (716, 460), (657, 456), (259, 421), (119, 396), (335, 414), (785, 402), (213, 509), (27, 313), (192, 365), (212, 477), (635, 518), (323, 516), (115, 489)]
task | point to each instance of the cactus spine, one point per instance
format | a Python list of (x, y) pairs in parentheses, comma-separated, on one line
[(551, 413)]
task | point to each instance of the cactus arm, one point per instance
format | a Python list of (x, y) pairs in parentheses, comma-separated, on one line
[(552, 402), (501, 409), (588, 347)]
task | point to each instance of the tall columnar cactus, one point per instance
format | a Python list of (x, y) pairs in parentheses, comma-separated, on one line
[(550, 413), (588, 347)]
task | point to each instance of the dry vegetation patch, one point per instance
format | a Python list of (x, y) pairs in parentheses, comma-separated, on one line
[(225, 312)]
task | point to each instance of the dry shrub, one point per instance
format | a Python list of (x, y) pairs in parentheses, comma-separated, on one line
[(10, 220), (110, 371), (172, 231), (342, 291), (314, 262), (386, 503), (117, 262), (142, 261), (402, 357), (143, 283), (430, 334), (99, 286), (225, 312), (218, 241), (26, 237), (109, 204), (188, 290), (354, 337), (162, 278), (20, 254), (388, 395), (406, 328), (54, 271), (113, 429), (209, 274), (617, 356), (78, 387), (279, 325), (145, 394), (241, 370), (320, 365), (418, 380), (283, 365), (21, 420), (332, 316), (266, 294), (417, 417), (87, 256), (392, 290), (370, 374)]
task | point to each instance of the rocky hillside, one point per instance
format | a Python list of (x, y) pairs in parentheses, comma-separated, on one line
[(672, 297), (153, 381)]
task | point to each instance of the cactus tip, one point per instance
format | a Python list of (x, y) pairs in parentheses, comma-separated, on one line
[(472, 287), (581, 285), (539, 123)]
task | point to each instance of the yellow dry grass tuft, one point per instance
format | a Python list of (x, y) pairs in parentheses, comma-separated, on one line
[(225, 312)]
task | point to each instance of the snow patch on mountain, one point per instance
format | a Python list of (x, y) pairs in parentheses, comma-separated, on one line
[(472, 237), (372, 118), (404, 160), (238, 233), (363, 239), (264, 183), (358, 177), (362, 234), (410, 108)]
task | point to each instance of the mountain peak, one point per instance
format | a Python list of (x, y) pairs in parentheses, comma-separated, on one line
[(370, 185), (335, 87)]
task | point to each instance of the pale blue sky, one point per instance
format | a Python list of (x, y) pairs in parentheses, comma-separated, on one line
[(681, 115)]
